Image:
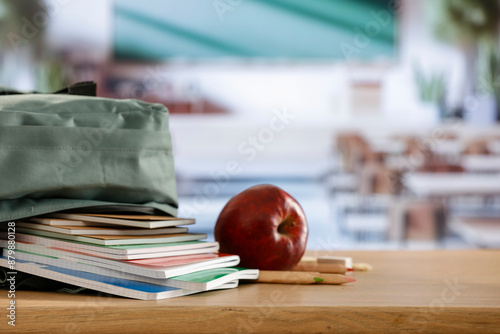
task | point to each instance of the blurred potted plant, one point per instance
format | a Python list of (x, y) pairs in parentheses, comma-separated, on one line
[(431, 91), (468, 24), (51, 76), (488, 68), (22, 48)]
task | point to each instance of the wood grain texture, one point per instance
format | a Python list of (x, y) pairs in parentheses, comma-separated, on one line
[(407, 292)]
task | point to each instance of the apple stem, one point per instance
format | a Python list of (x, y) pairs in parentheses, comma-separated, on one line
[(285, 225)]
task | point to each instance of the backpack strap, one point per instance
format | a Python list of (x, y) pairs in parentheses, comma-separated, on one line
[(85, 88)]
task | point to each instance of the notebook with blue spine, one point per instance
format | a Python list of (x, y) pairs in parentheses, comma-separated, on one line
[(102, 283)]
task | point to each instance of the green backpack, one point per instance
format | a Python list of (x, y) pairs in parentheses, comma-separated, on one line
[(62, 152)]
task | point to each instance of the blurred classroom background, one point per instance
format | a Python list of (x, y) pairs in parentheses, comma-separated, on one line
[(379, 116)]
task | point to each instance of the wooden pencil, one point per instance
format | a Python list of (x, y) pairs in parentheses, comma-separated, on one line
[(320, 267), (301, 277)]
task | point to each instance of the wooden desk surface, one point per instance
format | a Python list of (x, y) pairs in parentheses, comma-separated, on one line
[(408, 291)]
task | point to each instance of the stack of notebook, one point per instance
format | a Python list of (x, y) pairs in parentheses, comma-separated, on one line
[(142, 256)]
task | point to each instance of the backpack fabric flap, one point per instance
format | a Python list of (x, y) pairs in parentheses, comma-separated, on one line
[(61, 152)]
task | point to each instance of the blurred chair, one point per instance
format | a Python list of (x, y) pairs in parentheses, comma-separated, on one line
[(478, 231), (352, 149), (376, 178), (415, 146), (477, 146), (439, 164), (363, 218), (412, 220), (355, 151), (363, 214)]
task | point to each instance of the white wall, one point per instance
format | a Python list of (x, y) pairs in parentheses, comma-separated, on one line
[(419, 46), (318, 92), (82, 25)]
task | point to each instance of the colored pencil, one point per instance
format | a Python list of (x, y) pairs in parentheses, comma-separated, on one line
[(297, 277), (320, 267)]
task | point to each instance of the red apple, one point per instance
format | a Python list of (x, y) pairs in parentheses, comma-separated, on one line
[(265, 226)]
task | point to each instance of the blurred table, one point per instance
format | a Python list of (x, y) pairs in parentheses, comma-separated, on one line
[(387, 145), (452, 184), (494, 146), (481, 163), (428, 291), (447, 147), (478, 231)]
